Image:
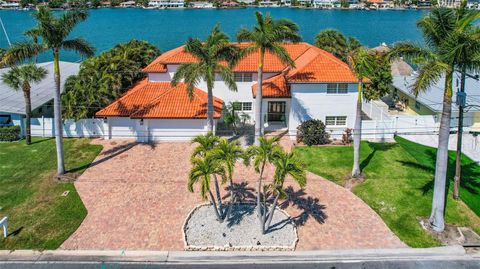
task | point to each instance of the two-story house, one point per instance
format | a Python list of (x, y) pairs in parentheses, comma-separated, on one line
[(320, 86)]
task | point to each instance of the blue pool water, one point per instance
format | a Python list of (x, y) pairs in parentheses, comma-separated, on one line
[(170, 28)]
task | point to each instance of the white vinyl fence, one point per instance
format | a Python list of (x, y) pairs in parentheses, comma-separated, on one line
[(45, 127)]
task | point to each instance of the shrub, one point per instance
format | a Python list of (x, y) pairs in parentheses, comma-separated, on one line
[(312, 132), (9, 133)]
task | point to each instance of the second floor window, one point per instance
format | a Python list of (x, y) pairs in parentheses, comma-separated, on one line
[(337, 88), (335, 120), (242, 77), (242, 106)]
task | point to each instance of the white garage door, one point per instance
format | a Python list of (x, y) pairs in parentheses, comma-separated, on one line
[(175, 129), (123, 128)]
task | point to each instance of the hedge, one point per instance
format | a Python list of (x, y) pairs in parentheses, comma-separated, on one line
[(312, 132), (10, 133)]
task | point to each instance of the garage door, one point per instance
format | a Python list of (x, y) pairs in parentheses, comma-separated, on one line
[(123, 128), (175, 130)]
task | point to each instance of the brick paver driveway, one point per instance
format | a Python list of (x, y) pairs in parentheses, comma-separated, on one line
[(136, 198)]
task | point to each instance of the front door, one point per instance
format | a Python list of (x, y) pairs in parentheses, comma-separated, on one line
[(276, 111)]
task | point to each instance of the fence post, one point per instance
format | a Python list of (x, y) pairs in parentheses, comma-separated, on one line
[(43, 126)]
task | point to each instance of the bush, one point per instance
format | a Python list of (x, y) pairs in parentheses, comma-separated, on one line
[(312, 132), (9, 133)]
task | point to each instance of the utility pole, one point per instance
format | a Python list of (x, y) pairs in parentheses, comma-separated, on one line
[(461, 100)]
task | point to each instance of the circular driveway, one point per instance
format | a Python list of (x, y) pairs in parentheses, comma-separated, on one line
[(137, 199)]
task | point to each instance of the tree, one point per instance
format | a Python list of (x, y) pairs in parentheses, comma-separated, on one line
[(203, 168), (267, 35), (20, 78), (286, 164), (362, 64), (344, 3), (53, 32), (448, 36), (380, 77), (261, 155), (336, 43), (206, 144), (211, 56), (228, 153), (103, 78)]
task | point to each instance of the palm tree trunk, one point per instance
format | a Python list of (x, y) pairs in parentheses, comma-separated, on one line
[(259, 203), (458, 159), (212, 200), (357, 134), (57, 112), (210, 110), (438, 202), (219, 196), (258, 100), (272, 211), (28, 114)]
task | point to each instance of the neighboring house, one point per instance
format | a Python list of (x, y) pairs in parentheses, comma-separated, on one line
[(166, 4), (429, 102), (201, 5), (128, 4), (12, 103), (319, 87), (10, 4), (449, 3), (325, 3)]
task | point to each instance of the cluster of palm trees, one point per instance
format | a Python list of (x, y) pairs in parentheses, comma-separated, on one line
[(215, 158), (267, 35), (53, 33)]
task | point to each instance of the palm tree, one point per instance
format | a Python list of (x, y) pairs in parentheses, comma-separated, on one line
[(20, 78), (229, 153), (206, 144), (363, 64), (203, 168), (267, 36), (262, 154), (211, 56), (443, 30), (286, 164), (336, 43), (53, 32)]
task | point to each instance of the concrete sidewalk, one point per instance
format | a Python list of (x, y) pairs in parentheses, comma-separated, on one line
[(438, 258)]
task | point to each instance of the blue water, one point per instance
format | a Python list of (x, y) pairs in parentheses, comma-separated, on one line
[(167, 29)]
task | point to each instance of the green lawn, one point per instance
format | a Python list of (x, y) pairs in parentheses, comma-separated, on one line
[(398, 184), (40, 218)]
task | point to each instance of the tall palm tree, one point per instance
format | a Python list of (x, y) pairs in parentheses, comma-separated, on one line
[(261, 155), (211, 56), (229, 153), (53, 32), (20, 78), (443, 30), (336, 43), (203, 168), (286, 164), (362, 64), (206, 144), (267, 35)]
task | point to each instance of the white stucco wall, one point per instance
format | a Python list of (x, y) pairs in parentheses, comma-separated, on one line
[(311, 101)]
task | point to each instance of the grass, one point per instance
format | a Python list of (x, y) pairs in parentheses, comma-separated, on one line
[(39, 217), (398, 185)]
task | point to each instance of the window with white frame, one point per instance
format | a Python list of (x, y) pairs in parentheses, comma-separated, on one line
[(242, 77), (337, 88), (242, 106), (336, 120)]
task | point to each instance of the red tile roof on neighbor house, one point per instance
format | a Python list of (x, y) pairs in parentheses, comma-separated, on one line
[(159, 100)]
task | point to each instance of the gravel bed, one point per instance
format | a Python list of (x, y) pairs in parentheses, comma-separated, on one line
[(242, 229)]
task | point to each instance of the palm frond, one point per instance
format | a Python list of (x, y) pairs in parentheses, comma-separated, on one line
[(22, 51), (428, 75), (80, 46), (282, 54)]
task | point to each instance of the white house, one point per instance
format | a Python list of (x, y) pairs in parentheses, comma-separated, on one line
[(12, 104), (166, 4), (319, 87)]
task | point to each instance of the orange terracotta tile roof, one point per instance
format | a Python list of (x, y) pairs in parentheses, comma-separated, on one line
[(274, 87), (159, 100), (312, 64), (317, 65)]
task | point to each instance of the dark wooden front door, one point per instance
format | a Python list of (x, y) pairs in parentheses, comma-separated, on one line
[(276, 111)]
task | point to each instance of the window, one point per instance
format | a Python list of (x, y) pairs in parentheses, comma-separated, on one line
[(335, 88), (242, 106), (417, 105), (5, 120), (336, 120), (242, 77)]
